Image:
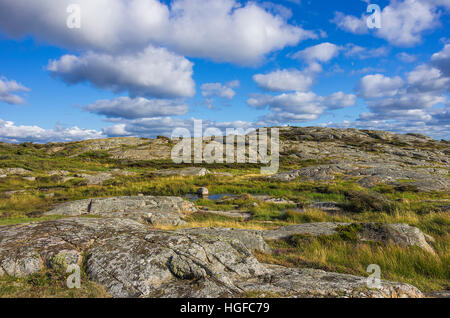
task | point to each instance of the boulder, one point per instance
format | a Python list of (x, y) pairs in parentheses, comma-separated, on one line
[(203, 192), (400, 234)]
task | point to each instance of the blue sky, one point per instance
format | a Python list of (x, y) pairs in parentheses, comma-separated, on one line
[(145, 67)]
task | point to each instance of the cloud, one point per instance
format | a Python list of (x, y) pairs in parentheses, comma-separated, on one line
[(7, 88), (219, 89), (394, 98), (403, 22), (340, 100), (352, 50), (442, 60), (350, 23), (406, 58), (152, 127), (419, 100), (9, 132), (425, 78), (154, 72), (323, 52), (378, 85), (125, 107), (224, 31), (285, 80), (299, 106), (119, 130)]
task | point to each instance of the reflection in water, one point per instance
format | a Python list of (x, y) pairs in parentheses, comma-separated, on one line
[(213, 197)]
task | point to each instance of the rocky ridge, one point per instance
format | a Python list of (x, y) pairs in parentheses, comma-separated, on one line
[(131, 260)]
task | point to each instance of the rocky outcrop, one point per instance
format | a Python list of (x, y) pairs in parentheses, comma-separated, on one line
[(231, 214), (314, 283), (314, 229), (316, 173), (269, 199), (371, 174), (251, 239), (94, 179), (129, 148), (14, 171), (131, 260), (185, 172), (58, 173), (299, 143), (147, 209), (400, 234)]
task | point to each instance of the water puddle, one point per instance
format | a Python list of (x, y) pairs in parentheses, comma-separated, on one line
[(212, 197)]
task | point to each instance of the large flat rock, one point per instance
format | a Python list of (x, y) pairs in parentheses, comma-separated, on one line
[(131, 260), (156, 210)]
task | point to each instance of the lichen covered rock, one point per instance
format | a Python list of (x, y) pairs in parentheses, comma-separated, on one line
[(131, 260)]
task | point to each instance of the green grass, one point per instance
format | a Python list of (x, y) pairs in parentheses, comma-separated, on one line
[(49, 284)]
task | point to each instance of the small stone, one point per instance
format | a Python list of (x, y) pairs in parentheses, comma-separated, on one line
[(203, 191)]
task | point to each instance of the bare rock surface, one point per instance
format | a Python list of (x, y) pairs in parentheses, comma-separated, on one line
[(14, 171), (314, 229), (400, 234), (425, 179), (131, 260), (95, 179), (148, 209), (185, 172), (251, 239), (309, 283), (58, 173), (129, 148), (230, 214), (439, 294), (269, 199)]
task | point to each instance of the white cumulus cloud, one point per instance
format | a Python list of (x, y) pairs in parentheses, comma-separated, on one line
[(129, 108), (220, 30), (403, 22), (154, 72), (12, 133), (8, 90), (219, 89), (323, 52), (285, 80)]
